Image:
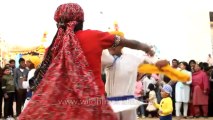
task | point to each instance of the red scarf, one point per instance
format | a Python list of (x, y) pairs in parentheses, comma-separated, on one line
[(68, 90)]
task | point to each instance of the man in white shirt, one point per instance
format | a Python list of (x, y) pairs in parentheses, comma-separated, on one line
[(121, 77)]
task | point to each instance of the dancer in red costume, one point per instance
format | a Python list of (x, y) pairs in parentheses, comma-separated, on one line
[(70, 85)]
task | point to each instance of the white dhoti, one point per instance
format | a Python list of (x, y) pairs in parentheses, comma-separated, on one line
[(125, 106)]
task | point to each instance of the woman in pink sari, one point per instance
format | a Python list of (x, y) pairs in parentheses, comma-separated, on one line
[(200, 90)]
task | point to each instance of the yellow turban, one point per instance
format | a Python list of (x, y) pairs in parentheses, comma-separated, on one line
[(35, 60)]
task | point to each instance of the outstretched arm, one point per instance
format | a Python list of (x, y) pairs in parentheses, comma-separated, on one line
[(133, 44)]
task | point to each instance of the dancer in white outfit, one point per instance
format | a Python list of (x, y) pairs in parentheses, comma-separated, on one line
[(121, 77)]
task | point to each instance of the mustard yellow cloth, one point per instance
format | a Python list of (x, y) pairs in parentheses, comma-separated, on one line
[(172, 73)]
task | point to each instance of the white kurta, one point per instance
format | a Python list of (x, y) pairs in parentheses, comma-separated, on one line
[(106, 60), (121, 80), (26, 85), (182, 91), (121, 76)]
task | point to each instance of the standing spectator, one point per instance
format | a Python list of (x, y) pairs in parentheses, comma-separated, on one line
[(12, 66), (182, 92), (8, 88), (192, 65), (20, 74), (165, 107), (159, 85), (152, 110), (139, 95), (175, 64), (200, 90), (32, 65)]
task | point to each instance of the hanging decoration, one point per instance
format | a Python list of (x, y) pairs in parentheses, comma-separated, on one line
[(41, 48), (116, 30)]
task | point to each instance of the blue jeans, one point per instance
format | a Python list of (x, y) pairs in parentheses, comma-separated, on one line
[(140, 110), (168, 117)]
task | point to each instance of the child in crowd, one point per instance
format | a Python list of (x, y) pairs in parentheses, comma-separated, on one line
[(165, 107), (139, 95), (152, 110), (8, 88)]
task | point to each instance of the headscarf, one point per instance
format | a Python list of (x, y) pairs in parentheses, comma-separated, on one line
[(68, 89)]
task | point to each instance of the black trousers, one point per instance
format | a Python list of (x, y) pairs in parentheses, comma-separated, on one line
[(173, 98), (210, 111), (1, 99), (8, 105), (20, 99)]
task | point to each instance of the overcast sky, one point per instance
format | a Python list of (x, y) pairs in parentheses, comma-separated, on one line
[(24, 21)]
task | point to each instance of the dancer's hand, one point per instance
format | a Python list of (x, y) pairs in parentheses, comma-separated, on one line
[(150, 52), (133, 44), (161, 63)]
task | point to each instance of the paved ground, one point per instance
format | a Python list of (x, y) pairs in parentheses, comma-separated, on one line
[(210, 118), (174, 118)]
